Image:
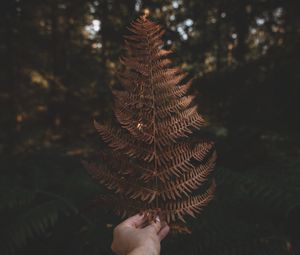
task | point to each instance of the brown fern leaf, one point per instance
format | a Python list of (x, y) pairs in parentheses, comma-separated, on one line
[(151, 165)]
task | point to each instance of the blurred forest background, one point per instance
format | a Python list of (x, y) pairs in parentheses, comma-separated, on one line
[(58, 60)]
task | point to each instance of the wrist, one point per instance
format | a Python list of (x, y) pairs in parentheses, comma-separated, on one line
[(143, 251)]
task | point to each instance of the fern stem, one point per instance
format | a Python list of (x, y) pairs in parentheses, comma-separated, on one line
[(154, 125)]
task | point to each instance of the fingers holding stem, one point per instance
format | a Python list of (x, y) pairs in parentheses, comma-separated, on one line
[(136, 221), (139, 221)]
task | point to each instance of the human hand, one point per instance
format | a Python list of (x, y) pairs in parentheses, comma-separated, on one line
[(131, 238)]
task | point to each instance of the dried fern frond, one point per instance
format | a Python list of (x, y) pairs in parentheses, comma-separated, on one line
[(151, 165)]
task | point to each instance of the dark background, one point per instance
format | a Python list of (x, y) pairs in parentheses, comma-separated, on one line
[(58, 60)]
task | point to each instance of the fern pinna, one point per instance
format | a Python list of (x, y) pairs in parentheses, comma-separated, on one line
[(150, 164)]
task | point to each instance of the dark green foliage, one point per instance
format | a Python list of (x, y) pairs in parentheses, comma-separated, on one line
[(35, 218), (26, 219)]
